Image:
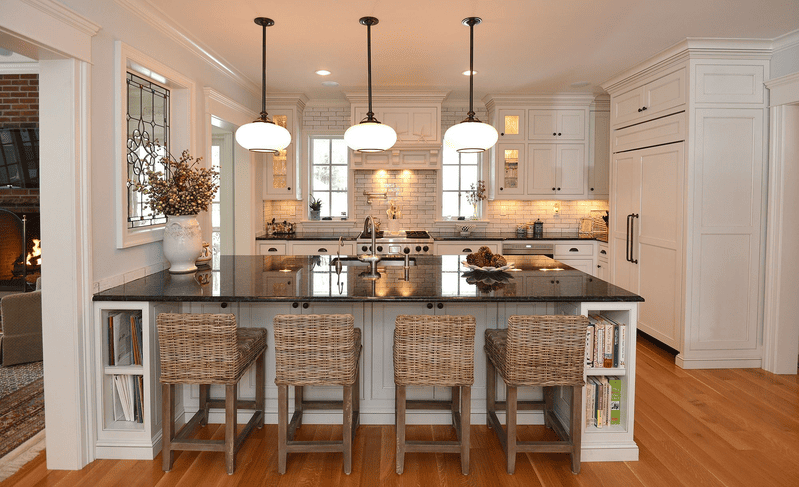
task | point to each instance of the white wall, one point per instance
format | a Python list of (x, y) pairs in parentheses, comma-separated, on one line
[(785, 59), (111, 265)]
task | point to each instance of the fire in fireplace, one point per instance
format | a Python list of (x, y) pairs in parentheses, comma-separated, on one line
[(20, 251)]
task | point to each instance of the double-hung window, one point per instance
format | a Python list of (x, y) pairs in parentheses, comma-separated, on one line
[(460, 173), (329, 176)]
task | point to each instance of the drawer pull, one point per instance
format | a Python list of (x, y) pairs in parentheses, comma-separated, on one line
[(295, 305), (321, 250), (272, 249), (467, 249), (304, 305), (573, 250), (440, 306), (224, 305), (429, 305), (602, 252)]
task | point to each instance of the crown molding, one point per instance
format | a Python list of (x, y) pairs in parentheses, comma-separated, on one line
[(157, 19), (783, 90), (213, 95), (19, 68), (65, 15), (560, 99), (787, 41), (287, 98), (404, 97), (689, 48)]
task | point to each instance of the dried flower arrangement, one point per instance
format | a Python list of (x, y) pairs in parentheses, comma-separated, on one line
[(187, 190), (477, 193)]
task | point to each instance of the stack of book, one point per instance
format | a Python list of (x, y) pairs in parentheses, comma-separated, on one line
[(603, 401), (125, 348), (605, 343)]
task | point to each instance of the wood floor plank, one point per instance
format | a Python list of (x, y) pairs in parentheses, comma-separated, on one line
[(693, 427)]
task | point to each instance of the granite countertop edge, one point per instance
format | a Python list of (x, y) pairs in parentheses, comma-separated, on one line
[(438, 238)]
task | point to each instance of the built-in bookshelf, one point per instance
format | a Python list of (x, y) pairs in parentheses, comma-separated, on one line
[(128, 421)]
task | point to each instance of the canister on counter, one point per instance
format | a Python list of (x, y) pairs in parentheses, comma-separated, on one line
[(538, 229), (521, 230)]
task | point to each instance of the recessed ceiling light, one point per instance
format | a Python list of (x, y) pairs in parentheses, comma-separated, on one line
[(323, 72), (580, 84), (466, 73), (329, 83)]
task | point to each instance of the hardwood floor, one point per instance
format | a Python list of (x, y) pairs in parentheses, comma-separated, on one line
[(731, 427)]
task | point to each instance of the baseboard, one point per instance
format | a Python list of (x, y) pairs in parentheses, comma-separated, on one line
[(682, 362)]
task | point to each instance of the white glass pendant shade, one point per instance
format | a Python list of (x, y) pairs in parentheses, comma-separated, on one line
[(471, 136), (261, 136), (370, 137)]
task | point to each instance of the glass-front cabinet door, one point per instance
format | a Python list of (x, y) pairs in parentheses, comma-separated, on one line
[(279, 177), (510, 171), (510, 125)]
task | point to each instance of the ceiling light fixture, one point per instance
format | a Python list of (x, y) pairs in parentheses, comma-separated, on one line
[(370, 135), (471, 135), (323, 72), (263, 135)]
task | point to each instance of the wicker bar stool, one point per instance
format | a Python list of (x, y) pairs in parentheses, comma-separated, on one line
[(543, 351), (316, 350), (435, 351), (208, 349)]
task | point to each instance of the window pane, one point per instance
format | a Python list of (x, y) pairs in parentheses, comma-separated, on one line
[(450, 204), (450, 263), (468, 177), (339, 179), (450, 175), (321, 149), (470, 158), (450, 155), (449, 283), (321, 178), (215, 218), (338, 206), (339, 151)]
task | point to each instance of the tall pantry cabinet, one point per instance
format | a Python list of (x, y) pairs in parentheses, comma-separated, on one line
[(687, 198)]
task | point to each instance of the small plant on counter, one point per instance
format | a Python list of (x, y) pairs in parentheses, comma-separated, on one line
[(185, 189), (314, 204)]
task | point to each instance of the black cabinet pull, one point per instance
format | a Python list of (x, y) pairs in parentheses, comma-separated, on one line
[(467, 249), (644, 108), (552, 282), (440, 306), (288, 189), (602, 252), (272, 249), (501, 188), (553, 189), (559, 134), (573, 250), (304, 305), (223, 305), (502, 134), (553, 133), (592, 189), (558, 189), (321, 250), (640, 110), (598, 266), (632, 238), (429, 305), (295, 305)]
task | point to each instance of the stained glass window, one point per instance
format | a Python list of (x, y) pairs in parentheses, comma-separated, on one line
[(147, 122)]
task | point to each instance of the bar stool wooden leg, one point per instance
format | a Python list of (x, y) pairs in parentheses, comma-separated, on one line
[(282, 426), (204, 395), (491, 391), (356, 397), (456, 409), (260, 387), (400, 420), (230, 428), (168, 421), (549, 410), (511, 428), (466, 426), (346, 435), (576, 428)]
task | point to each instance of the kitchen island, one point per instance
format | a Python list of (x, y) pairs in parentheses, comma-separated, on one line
[(256, 288)]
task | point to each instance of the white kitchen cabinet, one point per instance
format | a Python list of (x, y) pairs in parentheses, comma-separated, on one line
[(687, 200), (463, 247), (556, 125), (414, 125), (556, 170), (272, 247), (602, 262), (656, 98), (282, 170), (321, 247), (546, 155), (599, 154)]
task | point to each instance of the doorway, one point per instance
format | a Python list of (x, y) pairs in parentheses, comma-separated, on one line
[(223, 211)]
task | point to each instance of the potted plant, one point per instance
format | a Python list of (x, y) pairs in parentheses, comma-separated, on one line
[(180, 192), (316, 206)]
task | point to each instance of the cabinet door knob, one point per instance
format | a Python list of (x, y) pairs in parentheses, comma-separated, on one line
[(553, 189), (640, 110), (288, 189), (502, 134), (558, 189), (598, 266), (602, 252), (644, 108), (304, 305), (559, 134), (440, 306), (501, 188), (223, 305), (295, 305), (553, 133), (429, 305), (592, 189)]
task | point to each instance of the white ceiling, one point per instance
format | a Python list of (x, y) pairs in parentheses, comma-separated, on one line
[(534, 46)]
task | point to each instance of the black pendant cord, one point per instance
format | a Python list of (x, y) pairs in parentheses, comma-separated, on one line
[(470, 114), (370, 113), (263, 75)]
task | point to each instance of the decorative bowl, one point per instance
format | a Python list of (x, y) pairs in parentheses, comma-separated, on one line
[(464, 229)]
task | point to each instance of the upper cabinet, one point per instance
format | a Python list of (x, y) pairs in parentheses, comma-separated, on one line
[(599, 150), (543, 145), (415, 116), (661, 96), (282, 171)]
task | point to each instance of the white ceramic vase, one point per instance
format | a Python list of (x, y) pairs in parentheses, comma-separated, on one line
[(183, 243)]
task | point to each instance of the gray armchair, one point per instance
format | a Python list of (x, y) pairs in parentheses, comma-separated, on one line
[(21, 338)]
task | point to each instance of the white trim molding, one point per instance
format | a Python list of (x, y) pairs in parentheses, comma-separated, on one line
[(783, 90), (182, 130), (19, 68)]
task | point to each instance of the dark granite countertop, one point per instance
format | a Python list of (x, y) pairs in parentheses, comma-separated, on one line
[(551, 235), (300, 236), (314, 279)]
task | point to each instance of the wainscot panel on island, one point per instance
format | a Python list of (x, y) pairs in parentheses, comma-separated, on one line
[(256, 288)]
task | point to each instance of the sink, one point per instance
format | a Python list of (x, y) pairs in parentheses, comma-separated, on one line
[(384, 261)]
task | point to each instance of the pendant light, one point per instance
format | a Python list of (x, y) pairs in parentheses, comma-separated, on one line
[(370, 135), (471, 135), (263, 135)]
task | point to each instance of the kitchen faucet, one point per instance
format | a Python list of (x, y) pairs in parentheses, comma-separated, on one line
[(372, 231), (371, 257)]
